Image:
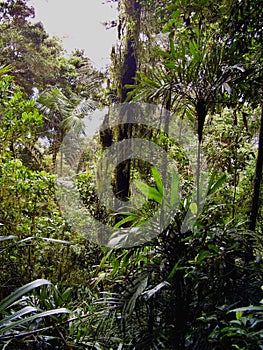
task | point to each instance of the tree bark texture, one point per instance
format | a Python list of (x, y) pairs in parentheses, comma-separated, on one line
[(257, 180), (131, 17)]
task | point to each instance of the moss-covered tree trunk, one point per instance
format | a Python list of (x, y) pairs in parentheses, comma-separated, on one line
[(257, 179), (129, 34)]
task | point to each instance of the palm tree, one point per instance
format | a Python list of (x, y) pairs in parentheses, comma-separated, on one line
[(62, 114), (192, 77)]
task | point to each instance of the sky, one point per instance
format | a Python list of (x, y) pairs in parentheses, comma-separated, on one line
[(78, 23)]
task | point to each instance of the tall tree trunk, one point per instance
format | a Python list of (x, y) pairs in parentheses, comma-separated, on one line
[(201, 110), (131, 15), (257, 179)]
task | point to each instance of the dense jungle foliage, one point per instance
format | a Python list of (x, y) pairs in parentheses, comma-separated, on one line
[(196, 289)]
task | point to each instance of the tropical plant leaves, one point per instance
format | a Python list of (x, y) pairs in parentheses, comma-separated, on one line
[(31, 318), (158, 180), (213, 185), (18, 293), (140, 287), (149, 192), (151, 292), (26, 314)]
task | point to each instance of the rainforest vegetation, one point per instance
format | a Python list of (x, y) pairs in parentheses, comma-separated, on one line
[(195, 289)]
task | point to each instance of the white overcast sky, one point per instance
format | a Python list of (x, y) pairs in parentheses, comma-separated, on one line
[(78, 24)]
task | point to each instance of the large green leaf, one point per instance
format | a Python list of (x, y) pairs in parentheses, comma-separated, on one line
[(174, 189), (26, 310), (158, 180), (127, 219), (18, 293), (213, 185), (18, 323), (149, 192)]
